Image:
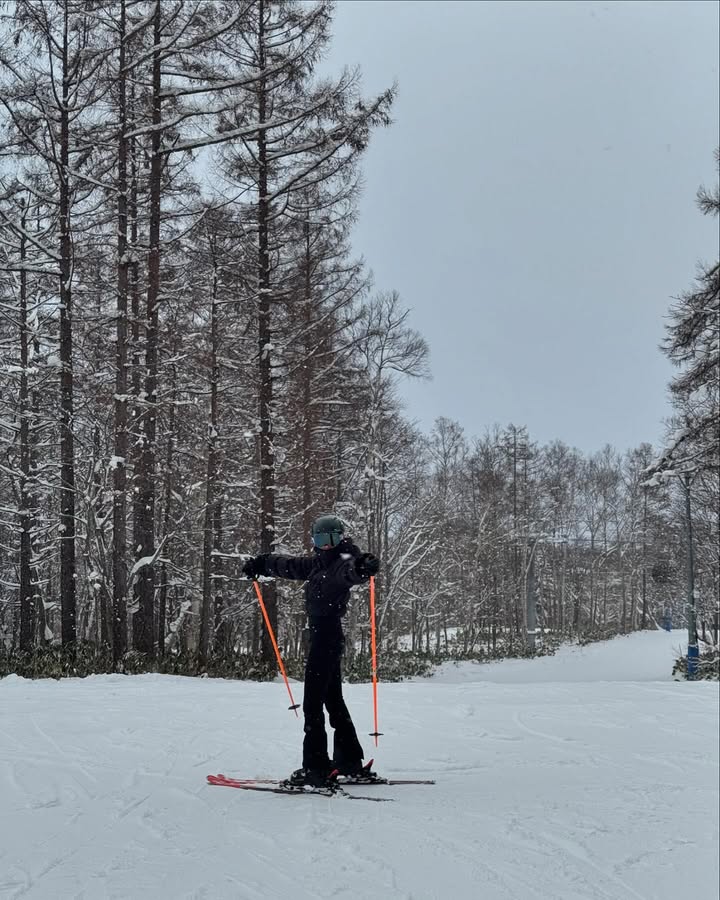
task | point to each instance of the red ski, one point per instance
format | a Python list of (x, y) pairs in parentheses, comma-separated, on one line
[(341, 781), (274, 788), (344, 780)]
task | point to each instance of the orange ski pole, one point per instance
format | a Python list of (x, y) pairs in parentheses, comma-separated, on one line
[(295, 706), (376, 734)]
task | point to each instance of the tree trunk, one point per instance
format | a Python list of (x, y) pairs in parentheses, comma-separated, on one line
[(135, 445), (39, 619), (267, 451), (25, 514), (207, 616), (96, 543), (167, 504), (306, 374), (643, 617), (67, 447), (563, 577), (145, 584), (119, 552), (222, 626)]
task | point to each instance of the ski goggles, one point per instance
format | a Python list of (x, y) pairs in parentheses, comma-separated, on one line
[(327, 538)]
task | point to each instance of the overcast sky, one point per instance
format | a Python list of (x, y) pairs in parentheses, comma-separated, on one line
[(534, 202)]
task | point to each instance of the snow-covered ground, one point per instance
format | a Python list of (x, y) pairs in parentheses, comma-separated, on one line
[(591, 774)]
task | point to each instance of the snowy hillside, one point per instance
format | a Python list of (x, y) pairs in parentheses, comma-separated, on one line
[(591, 774)]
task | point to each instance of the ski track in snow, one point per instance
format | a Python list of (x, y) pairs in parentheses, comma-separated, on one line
[(590, 775)]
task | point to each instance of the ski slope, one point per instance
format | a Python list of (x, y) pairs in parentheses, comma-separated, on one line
[(590, 775)]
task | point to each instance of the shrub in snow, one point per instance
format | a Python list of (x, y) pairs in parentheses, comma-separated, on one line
[(708, 666), (84, 658)]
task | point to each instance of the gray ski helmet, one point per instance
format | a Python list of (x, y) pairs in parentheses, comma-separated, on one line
[(327, 531)]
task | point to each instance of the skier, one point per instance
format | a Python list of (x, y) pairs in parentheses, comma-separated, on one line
[(336, 565)]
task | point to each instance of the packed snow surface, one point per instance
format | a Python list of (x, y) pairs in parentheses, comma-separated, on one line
[(590, 774)]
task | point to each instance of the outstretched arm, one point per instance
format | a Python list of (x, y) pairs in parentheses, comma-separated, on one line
[(296, 568)]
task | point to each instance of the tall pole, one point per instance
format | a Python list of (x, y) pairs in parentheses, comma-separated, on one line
[(376, 734), (294, 706), (531, 601), (643, 617), (693, 652)]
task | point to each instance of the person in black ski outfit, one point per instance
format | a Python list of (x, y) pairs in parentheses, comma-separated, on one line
[(336, 566)]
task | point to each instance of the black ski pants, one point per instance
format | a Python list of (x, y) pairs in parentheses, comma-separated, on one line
[(323, 688)]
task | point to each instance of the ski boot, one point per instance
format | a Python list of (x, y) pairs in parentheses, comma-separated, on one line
[(315, 781), (359, 774)]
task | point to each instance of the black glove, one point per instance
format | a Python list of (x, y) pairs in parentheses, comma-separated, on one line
[(367, 565), (254, 567)]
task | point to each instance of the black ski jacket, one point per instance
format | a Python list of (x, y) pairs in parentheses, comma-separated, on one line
[(329, 575)]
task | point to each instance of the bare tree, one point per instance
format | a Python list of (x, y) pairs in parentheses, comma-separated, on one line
[(290, 129)]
